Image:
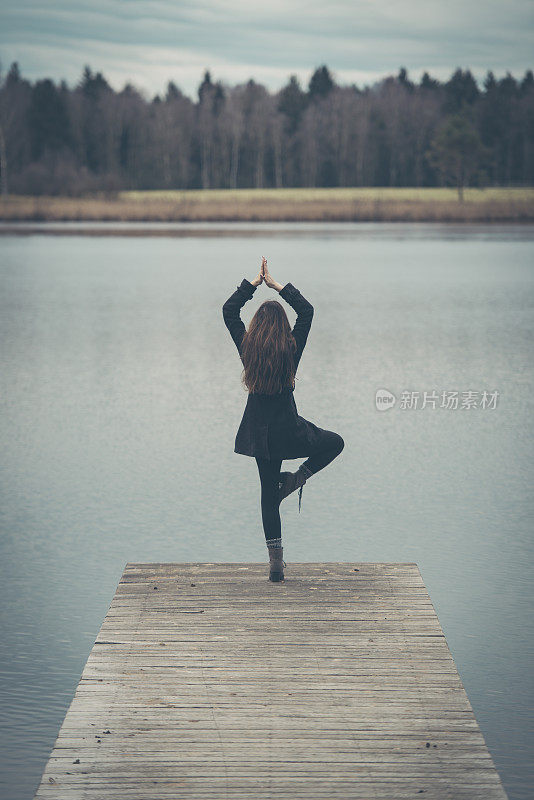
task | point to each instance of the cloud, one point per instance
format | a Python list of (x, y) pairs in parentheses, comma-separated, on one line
[(149, 42)]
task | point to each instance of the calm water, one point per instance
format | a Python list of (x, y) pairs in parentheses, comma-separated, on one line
[(121, 398)]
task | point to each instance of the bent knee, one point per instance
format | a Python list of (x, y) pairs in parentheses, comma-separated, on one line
[(341, 443)]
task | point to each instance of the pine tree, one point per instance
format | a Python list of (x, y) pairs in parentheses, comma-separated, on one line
[(321, 83), (292, 102)]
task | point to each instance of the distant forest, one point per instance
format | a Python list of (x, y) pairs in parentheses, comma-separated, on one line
[(90, 138)]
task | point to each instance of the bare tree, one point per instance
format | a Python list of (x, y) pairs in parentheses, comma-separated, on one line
[(338, 113), (232, 129), (172, 129), (276, 129), (309, 145), (362, 112), (257, 110)]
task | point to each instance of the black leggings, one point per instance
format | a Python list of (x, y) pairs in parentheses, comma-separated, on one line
[(328, 446)]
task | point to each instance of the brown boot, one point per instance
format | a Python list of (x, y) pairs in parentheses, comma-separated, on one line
[(276, 564)]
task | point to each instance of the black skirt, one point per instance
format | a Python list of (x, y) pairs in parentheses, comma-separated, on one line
[(272, 428)]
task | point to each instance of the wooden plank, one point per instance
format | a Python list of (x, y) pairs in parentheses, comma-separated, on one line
[(208, 681)]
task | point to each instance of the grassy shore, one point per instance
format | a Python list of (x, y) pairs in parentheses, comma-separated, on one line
[(271, 205)]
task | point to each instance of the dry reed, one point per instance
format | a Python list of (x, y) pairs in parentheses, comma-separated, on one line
[(273, 205)]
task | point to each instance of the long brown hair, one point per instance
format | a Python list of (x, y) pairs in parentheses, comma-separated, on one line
[(267, 351)]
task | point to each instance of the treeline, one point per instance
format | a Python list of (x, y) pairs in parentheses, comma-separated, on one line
[(60, 140)]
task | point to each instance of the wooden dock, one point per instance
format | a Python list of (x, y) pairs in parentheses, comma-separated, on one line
[(208, 681)]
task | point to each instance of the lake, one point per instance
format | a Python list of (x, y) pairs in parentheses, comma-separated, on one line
[(121, 397)]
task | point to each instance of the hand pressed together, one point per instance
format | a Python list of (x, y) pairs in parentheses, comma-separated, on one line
[(263, 275)]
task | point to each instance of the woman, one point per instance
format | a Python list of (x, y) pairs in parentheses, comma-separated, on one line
[(271, 428)]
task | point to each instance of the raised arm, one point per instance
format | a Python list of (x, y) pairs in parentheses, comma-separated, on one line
[(303, 308), (304, 311), (232, 307)]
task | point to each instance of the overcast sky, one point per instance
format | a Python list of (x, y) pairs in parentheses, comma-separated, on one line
[(149, 42)]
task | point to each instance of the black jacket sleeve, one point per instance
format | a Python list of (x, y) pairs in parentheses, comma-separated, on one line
[(304, 311), (231, 310)]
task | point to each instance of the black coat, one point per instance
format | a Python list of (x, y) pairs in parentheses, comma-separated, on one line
[(271, 426)]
